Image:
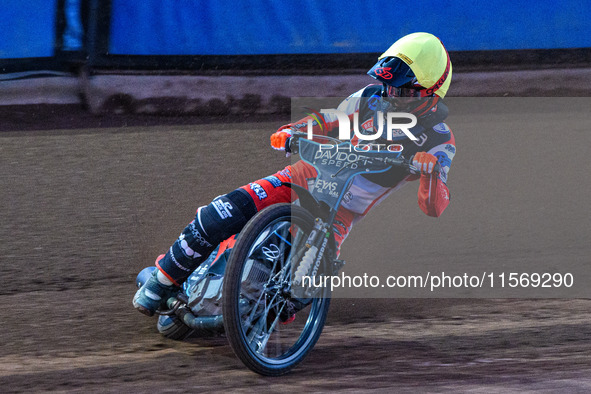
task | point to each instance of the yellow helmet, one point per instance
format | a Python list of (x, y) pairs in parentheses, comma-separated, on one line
[(419, 61)]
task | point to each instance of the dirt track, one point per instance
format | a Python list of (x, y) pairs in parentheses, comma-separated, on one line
[(85, 209)]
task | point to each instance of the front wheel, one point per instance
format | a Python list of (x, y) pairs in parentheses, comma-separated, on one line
[(259, 306)]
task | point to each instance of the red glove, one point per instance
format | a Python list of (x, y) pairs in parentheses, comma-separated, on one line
[(424, 162), (279, 137)]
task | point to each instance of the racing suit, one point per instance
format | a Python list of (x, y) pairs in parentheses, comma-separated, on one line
[(227, 214)]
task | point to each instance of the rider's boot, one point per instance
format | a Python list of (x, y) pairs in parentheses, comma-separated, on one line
[(154, 293)]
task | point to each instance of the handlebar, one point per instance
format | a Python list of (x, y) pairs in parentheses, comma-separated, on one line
[(291, 142), (291, 145)]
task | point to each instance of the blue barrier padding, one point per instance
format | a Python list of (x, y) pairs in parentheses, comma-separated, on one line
[(27, 28), (213, 27)]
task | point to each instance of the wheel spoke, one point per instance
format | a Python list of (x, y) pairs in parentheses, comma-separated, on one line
[(259, 331), (267, 334)]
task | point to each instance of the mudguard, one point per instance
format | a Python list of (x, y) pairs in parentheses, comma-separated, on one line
[(308, 201)]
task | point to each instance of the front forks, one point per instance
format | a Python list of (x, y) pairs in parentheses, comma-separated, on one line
[(310, 259)]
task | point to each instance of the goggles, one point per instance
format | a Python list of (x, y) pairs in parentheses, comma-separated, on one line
[(409, 89), (402, 92)]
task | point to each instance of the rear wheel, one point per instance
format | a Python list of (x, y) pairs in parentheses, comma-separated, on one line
[(173, 328), (258, 303)]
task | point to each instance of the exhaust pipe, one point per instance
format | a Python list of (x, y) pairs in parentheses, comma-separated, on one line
[(203, 325)]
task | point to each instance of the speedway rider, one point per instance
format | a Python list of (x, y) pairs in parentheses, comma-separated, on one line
[(416, 66)]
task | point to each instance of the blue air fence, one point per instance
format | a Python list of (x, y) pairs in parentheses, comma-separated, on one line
[(27, 34), (211, 34), (42, 34), (210, 27)]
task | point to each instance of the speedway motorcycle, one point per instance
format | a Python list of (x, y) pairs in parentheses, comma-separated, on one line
[(257, 287)]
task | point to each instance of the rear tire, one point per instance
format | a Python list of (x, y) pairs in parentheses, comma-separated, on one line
[(173, 328), (251, 317)]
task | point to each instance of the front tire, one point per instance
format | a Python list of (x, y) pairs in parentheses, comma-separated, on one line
[(257, 294)]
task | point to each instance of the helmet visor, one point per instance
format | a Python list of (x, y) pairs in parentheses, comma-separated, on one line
[(392, 71)]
